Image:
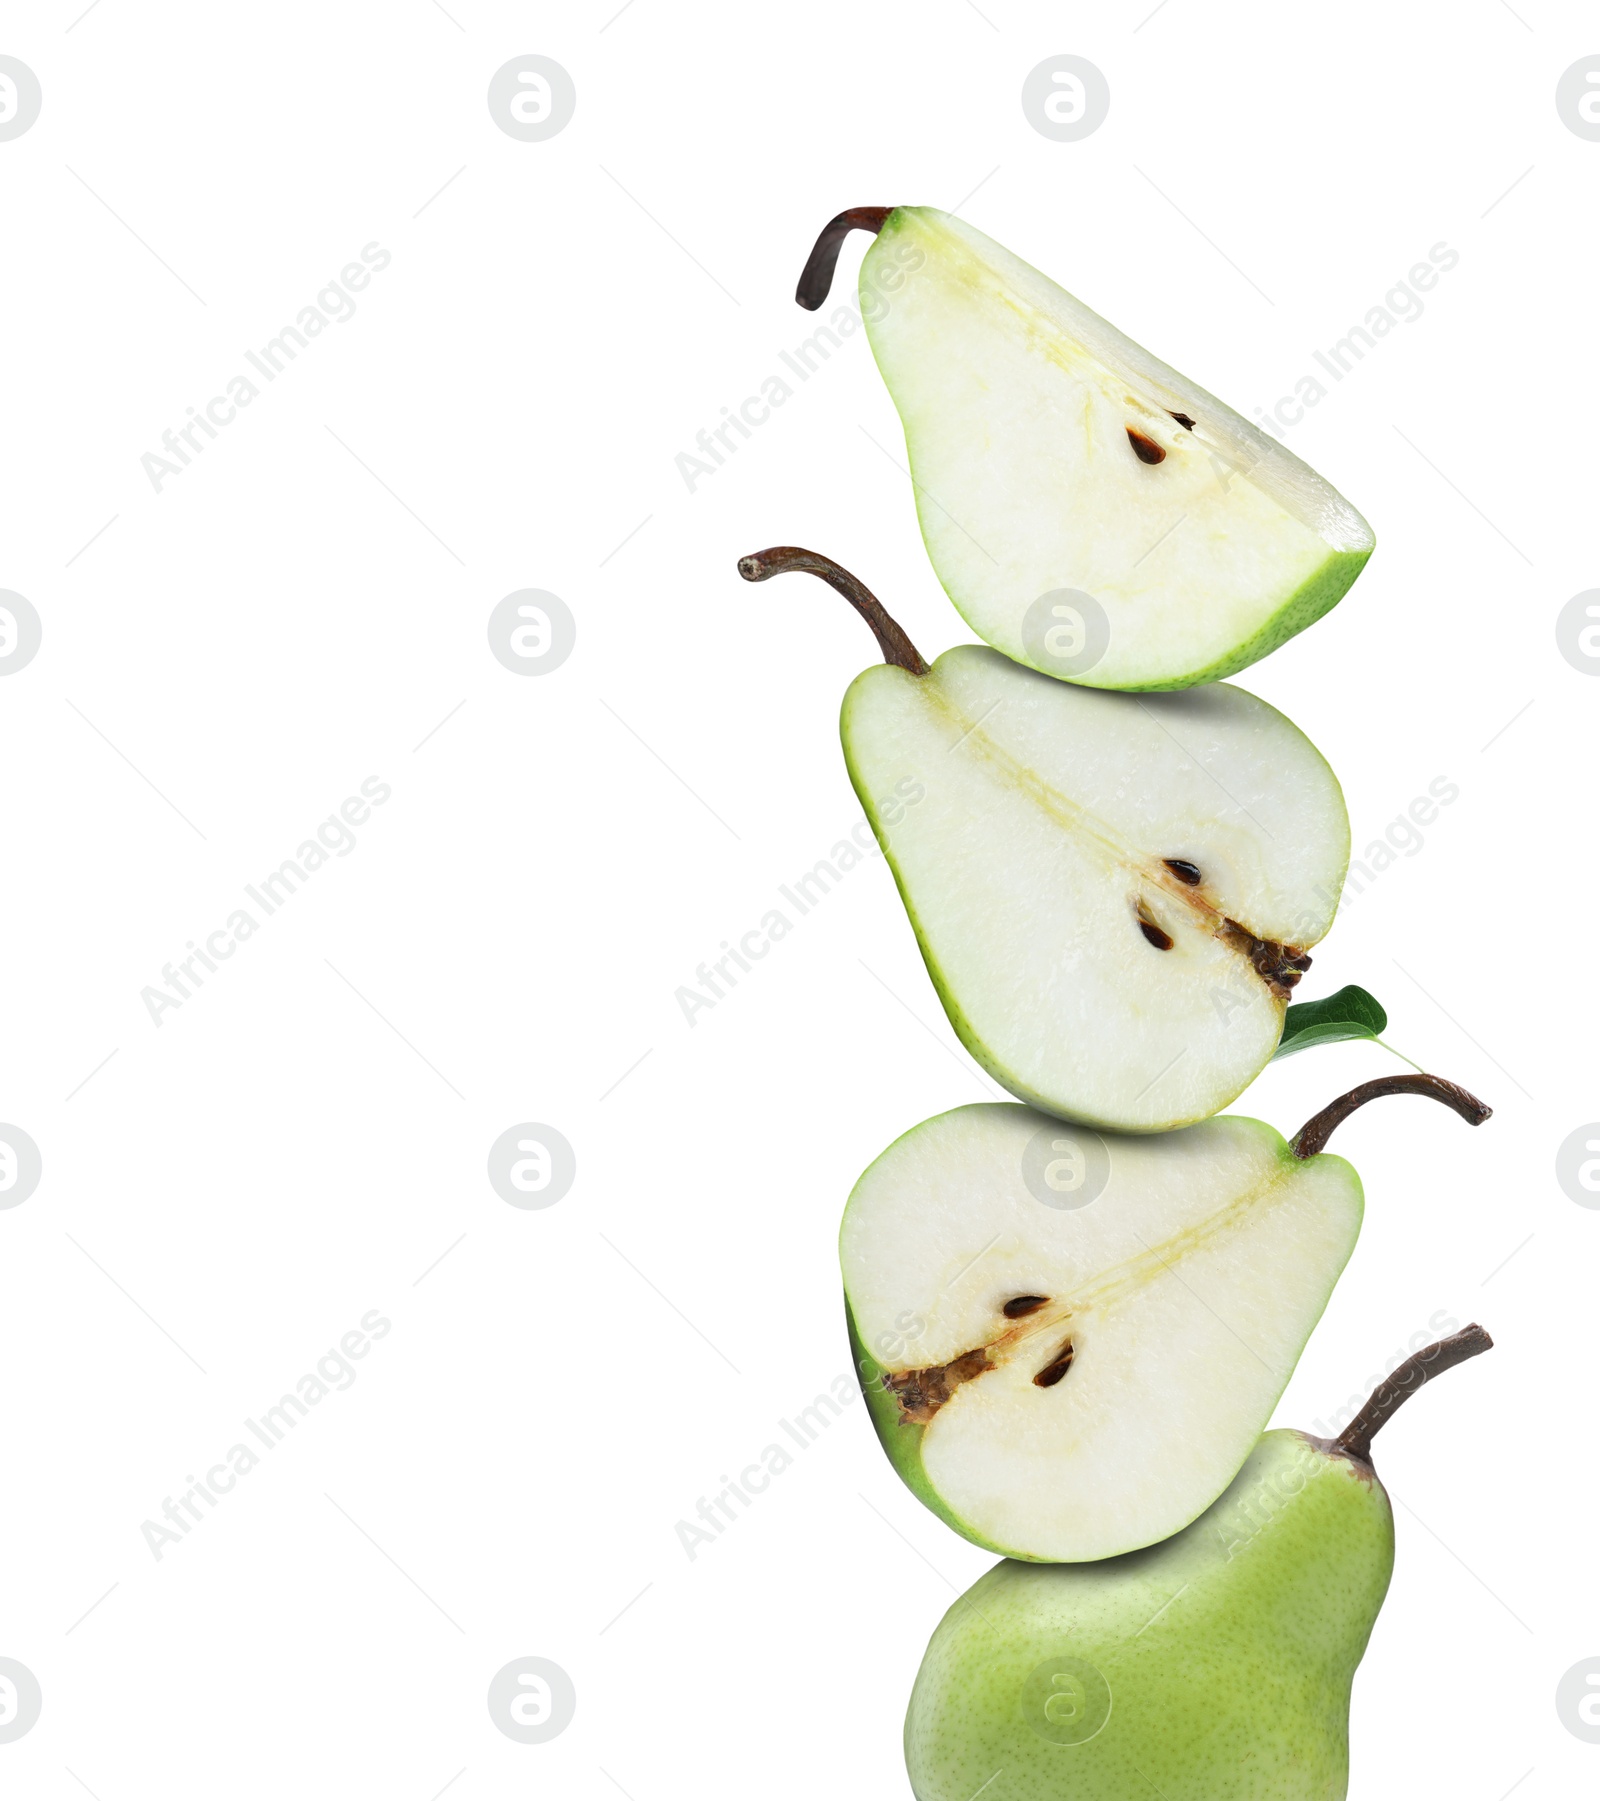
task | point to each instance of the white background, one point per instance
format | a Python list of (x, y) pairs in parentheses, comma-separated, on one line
[(303, 1139)]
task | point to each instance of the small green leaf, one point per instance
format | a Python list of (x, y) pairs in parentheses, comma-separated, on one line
[(1351, 1013)]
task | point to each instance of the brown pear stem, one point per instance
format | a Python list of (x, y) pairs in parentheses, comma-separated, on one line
[(1313, 1136), (817, 276), (897, 648), (1394, 1391)]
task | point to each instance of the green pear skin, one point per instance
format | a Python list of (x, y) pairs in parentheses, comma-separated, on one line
[(1239, 1687), (1214, 1667)]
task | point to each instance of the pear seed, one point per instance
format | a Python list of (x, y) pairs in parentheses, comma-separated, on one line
[(1020, 1306)]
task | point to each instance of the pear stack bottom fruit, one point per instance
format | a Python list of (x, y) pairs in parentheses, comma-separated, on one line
[(1214, 1667)]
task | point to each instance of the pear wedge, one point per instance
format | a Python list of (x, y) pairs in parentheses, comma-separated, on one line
[(1090, 511)]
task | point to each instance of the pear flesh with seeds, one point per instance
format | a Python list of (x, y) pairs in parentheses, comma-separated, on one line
[(1113, 894), (1049, 457), (1069, 1343)]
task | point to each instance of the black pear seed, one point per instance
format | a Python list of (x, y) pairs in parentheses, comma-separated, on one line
[(1023, 1304)]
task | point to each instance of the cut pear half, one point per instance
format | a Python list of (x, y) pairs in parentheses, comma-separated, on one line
[(1070, 1342), (1090, 511), (1114, 894)]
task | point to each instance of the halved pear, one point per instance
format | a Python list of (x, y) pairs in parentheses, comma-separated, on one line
[(1070, 1343), (1114, 894), (1090, 511)]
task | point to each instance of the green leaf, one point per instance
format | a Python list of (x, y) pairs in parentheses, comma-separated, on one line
[(1351, 1013)]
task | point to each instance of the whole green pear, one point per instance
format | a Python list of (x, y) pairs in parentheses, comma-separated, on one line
[(1214, 1667)]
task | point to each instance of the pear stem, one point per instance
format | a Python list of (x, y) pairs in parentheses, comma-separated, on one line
[(1394, 1391), (1315, 1133), (782, 559), (817, 276)]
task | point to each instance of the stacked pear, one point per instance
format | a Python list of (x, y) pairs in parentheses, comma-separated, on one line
[(1056, 463), (1215, 1665), (1072, 1319), (1070, 1342), (1114, 895)]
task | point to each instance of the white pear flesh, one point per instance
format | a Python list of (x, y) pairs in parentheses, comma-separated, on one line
[(1017, 402), (1186, 1288), (1038, 852)]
